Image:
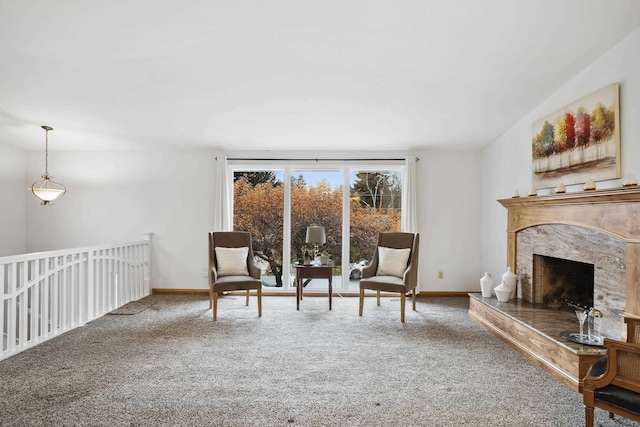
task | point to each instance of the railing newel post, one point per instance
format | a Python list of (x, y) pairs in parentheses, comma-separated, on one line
[(3, 272), (147, 263)]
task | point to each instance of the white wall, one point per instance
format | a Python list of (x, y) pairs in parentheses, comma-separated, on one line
[(507, 161), (13, 192), (450, 220), (114, 196)]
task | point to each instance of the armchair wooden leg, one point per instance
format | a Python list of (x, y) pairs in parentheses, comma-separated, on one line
[(247, 304), (402, 300), (210, 299), (361, 300), (413, 299), (378, 298), (259, 302), (215, 306), (588, 416)]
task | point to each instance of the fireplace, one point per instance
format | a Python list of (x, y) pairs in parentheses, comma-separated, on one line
[(598, 232), (558, 282)]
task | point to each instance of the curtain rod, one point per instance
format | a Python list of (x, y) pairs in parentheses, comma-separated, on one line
[(314, 159)]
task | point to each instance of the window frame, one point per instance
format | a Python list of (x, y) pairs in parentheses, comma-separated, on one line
[(287, 166)]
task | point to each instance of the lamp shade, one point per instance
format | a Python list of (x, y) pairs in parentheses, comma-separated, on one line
[(315, 235), (47, 190)]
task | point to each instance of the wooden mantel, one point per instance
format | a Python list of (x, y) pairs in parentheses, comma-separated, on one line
[(612, 211)]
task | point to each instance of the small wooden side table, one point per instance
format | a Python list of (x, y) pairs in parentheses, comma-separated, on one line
[(313, 271)]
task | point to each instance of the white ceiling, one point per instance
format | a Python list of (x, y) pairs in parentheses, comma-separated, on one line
[(290, 74)]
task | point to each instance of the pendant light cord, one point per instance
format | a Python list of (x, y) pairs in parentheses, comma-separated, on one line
[(46, 152)]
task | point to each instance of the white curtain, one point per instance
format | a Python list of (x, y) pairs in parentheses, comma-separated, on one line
[(222, 197), (410, 202), (409, 197)]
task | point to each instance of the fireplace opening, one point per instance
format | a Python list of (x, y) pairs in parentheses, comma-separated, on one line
[(558, 282)]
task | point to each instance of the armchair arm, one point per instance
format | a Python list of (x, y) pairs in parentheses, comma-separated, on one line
[(369, 270), (598, 368), (254, 270), (410, 277), (618, 351), (213, 274)]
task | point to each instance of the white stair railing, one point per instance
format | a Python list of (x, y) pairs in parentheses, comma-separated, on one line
[(45, 294)]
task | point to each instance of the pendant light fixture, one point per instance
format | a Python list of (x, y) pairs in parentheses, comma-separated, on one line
[(47, 190)]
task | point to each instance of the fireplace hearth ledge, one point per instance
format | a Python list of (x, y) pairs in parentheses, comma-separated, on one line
[(534, 331)]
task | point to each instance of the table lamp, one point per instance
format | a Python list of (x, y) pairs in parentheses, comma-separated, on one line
[(316, 236)]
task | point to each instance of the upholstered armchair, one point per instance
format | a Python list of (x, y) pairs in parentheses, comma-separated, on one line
[(231, 267), (394, 268), (613, 382)]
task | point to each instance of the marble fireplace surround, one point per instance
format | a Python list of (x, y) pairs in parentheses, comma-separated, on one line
[(601, 227), (575, 243)]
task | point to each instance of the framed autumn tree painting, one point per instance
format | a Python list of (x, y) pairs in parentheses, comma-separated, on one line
[(578, 142)]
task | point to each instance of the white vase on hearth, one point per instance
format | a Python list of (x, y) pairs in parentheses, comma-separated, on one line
[(486, 285), (510, 279), (503, 293)]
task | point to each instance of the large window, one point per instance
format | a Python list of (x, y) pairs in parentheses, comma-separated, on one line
[(278, 204), (258, 201), (316, 199), (375, 205)]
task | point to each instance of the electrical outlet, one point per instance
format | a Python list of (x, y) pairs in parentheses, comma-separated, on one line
[(205, 272), (440, 274)]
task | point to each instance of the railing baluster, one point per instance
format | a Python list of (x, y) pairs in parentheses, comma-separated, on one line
[(82, 289), (46, 298), (91, 290), (21, 300), (11, 308), (55, 297), (105, 280), (70, 294), (34, 302), (126, 273), (122, 294)]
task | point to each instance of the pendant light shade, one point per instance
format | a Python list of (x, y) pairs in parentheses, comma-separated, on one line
[(47, 190)]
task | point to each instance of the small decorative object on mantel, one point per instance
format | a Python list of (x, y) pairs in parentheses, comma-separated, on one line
[(560, 189), (533, 192), (486, 285), (629, 181), (589, 185), (515, 194)]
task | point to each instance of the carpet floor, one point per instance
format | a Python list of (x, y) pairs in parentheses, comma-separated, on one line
[(169, 364)]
